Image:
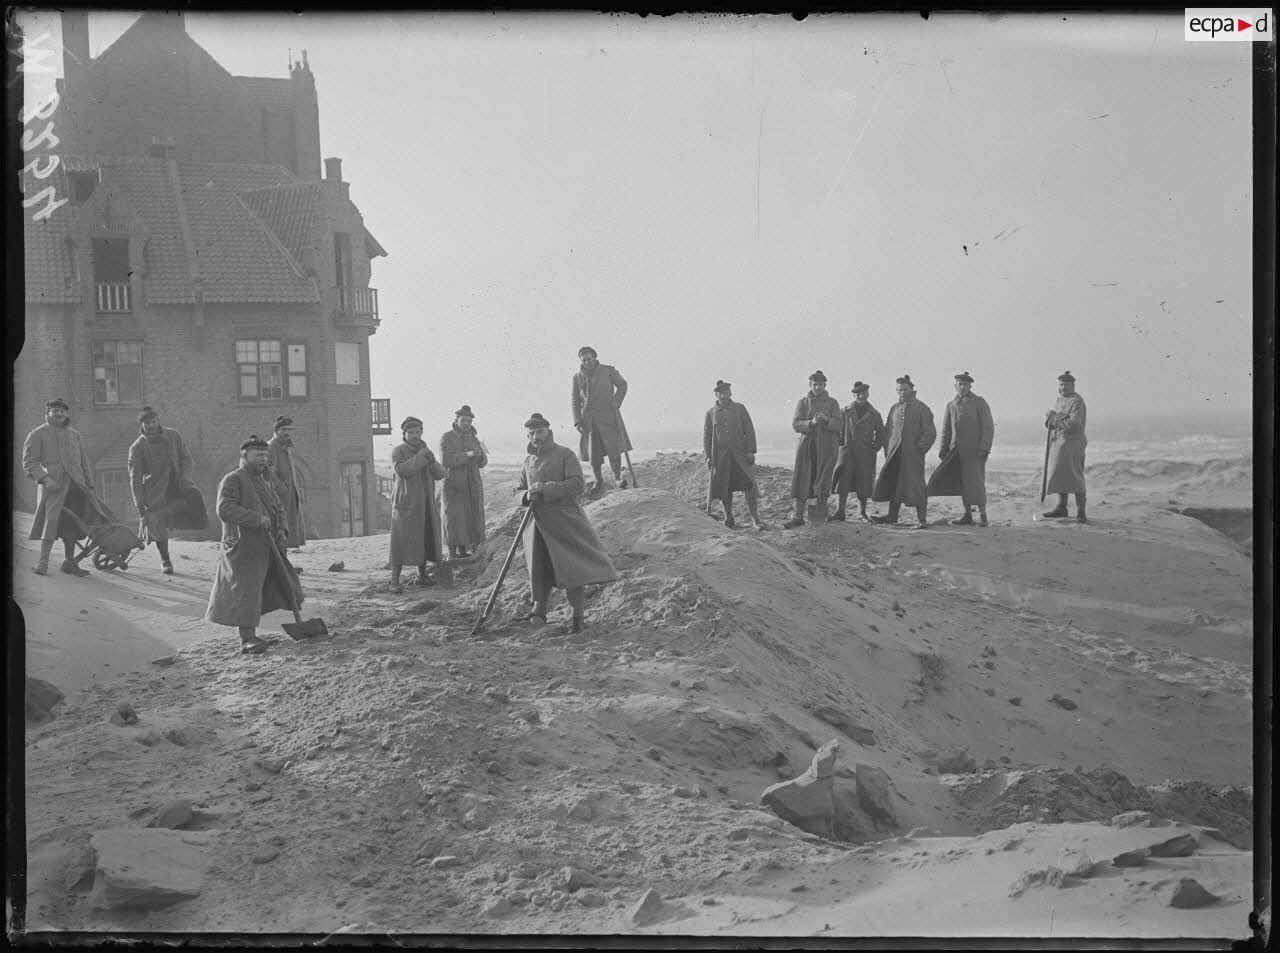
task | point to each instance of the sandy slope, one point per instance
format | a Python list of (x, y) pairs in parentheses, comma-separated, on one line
[(636, 752)]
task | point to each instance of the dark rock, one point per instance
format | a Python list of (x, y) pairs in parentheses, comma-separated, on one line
[(590, 898), (1015, 701), (124, 715), (1189, 894), (1048, 877), (954, 762), (842, 722), (421, 607), (163, 661), (574, 878), (174, 815), (338, 566), (1131, 858), (41, 697), (265, 855), (874, 794), (146, 869), (806, 801), (1184, 845), (1064, 703)]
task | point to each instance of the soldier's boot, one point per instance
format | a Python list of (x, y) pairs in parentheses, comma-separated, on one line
[(894, 507), (250, 644), (862, 508), (982, 516), (755, 516), (840, 513), (797, 518), (42, 565), (1080, 517), (69, 564), (166, 565), (395, 580), (1059, 511), (967, 519), (921, 522)]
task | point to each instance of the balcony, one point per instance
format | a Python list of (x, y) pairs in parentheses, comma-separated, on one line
[(358, 303), (113, 297), (381, 414)]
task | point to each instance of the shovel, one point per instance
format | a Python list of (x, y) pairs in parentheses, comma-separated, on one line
[(626, 456), (506, 564), (300, 628)]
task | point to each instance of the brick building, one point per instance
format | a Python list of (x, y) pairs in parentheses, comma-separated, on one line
[(202, 265)]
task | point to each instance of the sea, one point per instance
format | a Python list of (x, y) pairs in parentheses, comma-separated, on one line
[(1018, 447)]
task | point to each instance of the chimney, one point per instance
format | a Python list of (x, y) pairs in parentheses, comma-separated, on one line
[(161, 147), (306, 120), (333, 169), (75, 46)]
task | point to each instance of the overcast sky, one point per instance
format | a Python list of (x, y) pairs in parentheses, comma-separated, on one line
[(753, 198)]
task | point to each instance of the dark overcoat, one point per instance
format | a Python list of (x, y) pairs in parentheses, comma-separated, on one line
[(818, 447), (415, 512), (863, 438), (597, 396), (1066, 448), (250, 582), (160, 481), (727, 437), (462, 494), (911, 432), (284, 480), (57, 455), (967, 428), (577, 557)]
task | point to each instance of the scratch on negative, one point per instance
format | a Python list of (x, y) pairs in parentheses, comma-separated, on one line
[(875, 108)]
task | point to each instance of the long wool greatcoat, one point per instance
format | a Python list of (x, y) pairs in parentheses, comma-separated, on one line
[(967, 428), (250, 582), (816, 452), (911, 433), (160, 481), (284, 480), (574, 551), (863, 437), (463, 490), (1066, 451), (56, 454), (727, 437), (596, 399), (415, 512)]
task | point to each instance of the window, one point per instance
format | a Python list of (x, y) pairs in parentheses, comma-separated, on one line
[(111, 274), (117, 372), (271, 369)]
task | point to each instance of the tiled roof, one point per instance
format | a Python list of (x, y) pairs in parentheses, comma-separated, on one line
[(274, 94), (236, 252), (48, 265), (240, 258), (291, 211)]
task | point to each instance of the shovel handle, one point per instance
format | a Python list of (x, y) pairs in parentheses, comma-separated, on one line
[(506, 564)]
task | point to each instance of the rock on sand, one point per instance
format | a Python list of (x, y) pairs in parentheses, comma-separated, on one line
[(146, 868)]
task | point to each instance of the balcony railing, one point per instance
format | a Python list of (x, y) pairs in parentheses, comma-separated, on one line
[(381, 414), (358, 302), (113, 297)]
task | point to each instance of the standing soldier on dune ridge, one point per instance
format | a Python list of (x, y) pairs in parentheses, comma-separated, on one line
[(1065, 472), (729, 441), (911, 433), (967, 428), (561, 550), (415, 513), (863, 437), (250, 581), (160, 480), (820, 422), (283, 474), (54, 457), (462, 495), (598, 392)]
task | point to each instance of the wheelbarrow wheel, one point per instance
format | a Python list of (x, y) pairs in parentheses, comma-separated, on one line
[(104, 561)]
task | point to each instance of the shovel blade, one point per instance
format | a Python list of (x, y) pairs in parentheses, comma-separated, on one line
[(306, 629)]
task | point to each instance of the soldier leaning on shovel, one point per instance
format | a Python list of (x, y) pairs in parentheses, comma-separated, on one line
[(1065, 470), (598, 392), (53, 456), (159, 475), (250, 580), (561, 550)]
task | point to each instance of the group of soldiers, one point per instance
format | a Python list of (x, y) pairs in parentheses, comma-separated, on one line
[(260, 502)]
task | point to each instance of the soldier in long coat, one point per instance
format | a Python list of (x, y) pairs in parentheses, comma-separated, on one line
[(729, 442), (284, 479), (251, 581), (598, 393), (53, 456), (462, 495), (415, 513), (967, 429), (863, 437), (159, 479), (911, 433), (561, 550), (1066, 448), (819, 421)]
